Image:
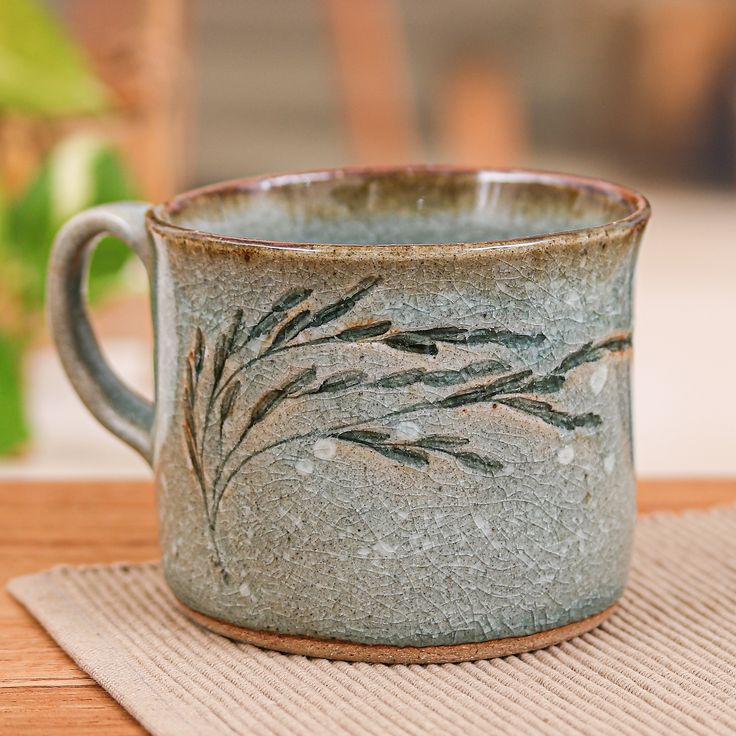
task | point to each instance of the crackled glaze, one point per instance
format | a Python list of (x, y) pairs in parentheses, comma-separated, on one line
[(395, 444)]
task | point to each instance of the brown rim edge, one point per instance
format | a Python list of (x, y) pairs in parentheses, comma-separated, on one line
[(386, 654), (158, 215)]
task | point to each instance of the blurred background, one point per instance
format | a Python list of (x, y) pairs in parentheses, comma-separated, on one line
[(143, 98)]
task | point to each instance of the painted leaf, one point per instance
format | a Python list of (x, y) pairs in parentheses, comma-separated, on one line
[(410, 343), (265, 325), (403, 455), (232, 392), (292, 327), (342, 306), (363, 332), (474, 461), (463, 398), (300, 381), (291, 299), (233, 330), (484, 368), (547, 413), (400, 379), (616, 344), (441, 334), (191, 381), (585, 354), (266, 404), (440, 442), (363, 436), (544, 385), (218, 365), (443, 378), (340, 381), (507, 384), (198, 351)]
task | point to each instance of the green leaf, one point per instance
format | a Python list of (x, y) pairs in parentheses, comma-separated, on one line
[(14, 431), (443, 378), (363, 332), (41, 71), (403, 455), (440, 442), (400, 379), (342, 306), (266, 404), (291, 299), (340, 381), (292, 328), (300, 381), (363, 436), (547, 413), (484, 368), (228, 401), (198, 351), (441, 334), (411, 343), (477, 462), (585, 354)]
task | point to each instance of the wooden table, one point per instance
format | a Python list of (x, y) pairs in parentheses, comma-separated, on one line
[(46, 523)]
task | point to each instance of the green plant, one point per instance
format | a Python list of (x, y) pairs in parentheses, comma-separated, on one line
[(42, 74)]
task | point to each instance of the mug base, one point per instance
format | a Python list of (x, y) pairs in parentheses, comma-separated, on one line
[(349, 651)]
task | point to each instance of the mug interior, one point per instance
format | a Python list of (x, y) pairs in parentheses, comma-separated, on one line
[(427, 205)]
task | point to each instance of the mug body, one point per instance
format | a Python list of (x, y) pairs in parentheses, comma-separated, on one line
[(392, 413)]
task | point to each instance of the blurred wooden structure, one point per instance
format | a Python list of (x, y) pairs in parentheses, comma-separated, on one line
[(478, 110), (140, 50)]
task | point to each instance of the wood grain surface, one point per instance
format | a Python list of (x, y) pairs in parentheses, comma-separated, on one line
[(47, 523)]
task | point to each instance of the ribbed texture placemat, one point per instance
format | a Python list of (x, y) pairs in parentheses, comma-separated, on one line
[(665, 663)]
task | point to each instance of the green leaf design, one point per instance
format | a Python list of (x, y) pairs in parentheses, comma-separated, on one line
[(547, 413), (198, 352), (484, 368), (300, 381), (342, 306), (340, 381), (284, 303), (440, 442), (191, 381), (411, 343), (266, 404), (441, 334), (291, 299), (292, 328), (264, 326), (363, 436), (400, 379), (477, 462), (616, 344), (576, 358), (363, 332), (463, 398), (233, 330), (443, 378), (403, 455), (507, 384), (232, 392), (218, 363), (544, 385)]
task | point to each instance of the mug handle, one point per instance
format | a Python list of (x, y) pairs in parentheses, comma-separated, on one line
[(121, 410)]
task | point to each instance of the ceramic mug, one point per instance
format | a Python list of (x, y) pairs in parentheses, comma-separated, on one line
[(392, 415)]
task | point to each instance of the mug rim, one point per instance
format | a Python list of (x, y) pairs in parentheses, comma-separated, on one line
[(159, 221)]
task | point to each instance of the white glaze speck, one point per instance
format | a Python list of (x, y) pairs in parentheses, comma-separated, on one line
[(566, 455), (304, 466), (325, 449), (598, 378)]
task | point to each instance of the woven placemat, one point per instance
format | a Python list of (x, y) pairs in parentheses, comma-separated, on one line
[(664, 663)]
